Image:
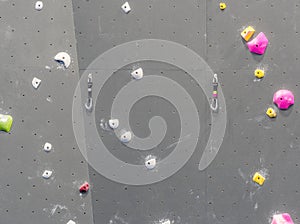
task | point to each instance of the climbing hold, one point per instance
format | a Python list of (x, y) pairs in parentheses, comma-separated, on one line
[(166, 221), (126, 7), (283, 99), (36, 82), (271, 113), (259, 73), (113, 123), (150, 162), (39, 5), (248, 33), (138, 73), (5, 122), (63, 58), (222, 6), (47, 174), (126, 137), (84, 187), (259, 44), (47, 147), (258, 178), (71, 222), (284, 218)]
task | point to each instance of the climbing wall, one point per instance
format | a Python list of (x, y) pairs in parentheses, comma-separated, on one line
[(29, 41), (201, 162)]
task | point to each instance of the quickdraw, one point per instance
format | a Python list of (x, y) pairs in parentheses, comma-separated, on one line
[(89, 103), (214, 104)]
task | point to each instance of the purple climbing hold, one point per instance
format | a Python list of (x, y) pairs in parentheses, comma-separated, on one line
[(283, 99), (259, 44)]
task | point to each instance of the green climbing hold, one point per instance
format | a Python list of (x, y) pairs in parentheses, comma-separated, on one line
[(5, 122)]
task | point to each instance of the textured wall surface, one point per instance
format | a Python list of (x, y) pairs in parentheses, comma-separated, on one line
[(224, 191)]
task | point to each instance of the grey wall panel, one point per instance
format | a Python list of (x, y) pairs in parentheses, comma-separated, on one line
[(29, 41)]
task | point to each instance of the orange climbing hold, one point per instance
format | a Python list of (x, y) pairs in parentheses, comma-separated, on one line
[(248, 33)]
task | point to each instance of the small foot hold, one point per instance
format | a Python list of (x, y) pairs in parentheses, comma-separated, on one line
[(222, 6), (84, 187), (259, 73), (258, 178), (271, 112)]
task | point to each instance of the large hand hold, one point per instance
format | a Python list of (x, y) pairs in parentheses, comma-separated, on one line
[(284, 218), (5, 122), (283, 99), (259, 44)]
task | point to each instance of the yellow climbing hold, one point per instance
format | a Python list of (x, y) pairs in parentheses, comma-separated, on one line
[(222, 6), (259, 73), (271, 113), (248, 33), (258, 178)]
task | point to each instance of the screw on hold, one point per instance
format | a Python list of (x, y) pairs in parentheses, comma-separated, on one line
[(36, 82), (113, 123), (71, 222), (63, 58), (126, 7), (259, 73), (47, 147), (39, 5), (47, 174), (214, 104), (5, 122), (258, 178), (284, 99), (248, 33), (259, 44), (137, 74), (84, 187), (89, 104), (284, 218), (271, 112), (222, 6), (126, 137), (150, 162)]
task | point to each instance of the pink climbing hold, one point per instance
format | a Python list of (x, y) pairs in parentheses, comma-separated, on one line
[(284, 218), (259, 44), (283, 99)]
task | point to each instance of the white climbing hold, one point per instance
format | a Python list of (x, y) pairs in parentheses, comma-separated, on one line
[(126, 7), (126, 137), (166, 222), (47, 147), (71, 222), (47, 174), (138, 73), (150, 162), (39, 5), (36, 82), (113, 123), (63, 58)]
